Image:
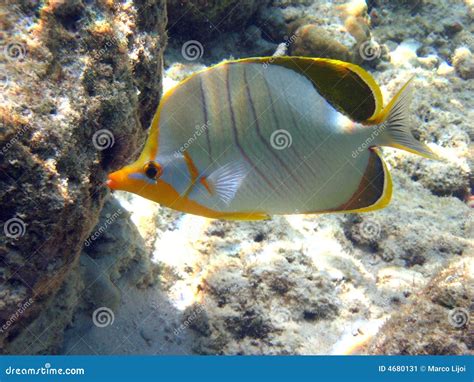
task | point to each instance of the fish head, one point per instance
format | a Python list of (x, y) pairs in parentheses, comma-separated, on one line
[(161, 179), (141, 177)]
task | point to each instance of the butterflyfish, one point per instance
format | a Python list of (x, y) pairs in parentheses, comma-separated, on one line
[(251, 138)]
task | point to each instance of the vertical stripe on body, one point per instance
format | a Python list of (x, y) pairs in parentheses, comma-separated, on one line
[(206, 118), (265, 141), (236, 134)]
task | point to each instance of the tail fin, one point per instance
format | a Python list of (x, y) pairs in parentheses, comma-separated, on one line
[(396, 131)]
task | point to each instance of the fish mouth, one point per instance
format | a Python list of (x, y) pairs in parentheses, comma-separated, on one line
[(113, 180)]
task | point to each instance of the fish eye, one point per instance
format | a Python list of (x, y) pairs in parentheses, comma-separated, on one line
[(152, 170)]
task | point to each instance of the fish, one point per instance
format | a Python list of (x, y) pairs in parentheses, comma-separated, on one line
[(250, 138)]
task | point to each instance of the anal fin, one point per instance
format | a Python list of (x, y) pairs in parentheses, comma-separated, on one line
[(375, 189)]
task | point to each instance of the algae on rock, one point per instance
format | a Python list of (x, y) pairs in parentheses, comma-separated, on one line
[(70, 114), (203, 20), (436, 321)]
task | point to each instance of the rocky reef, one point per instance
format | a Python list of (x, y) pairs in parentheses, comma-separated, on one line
[(436, 320), (80, 85), (86, 272), (205, 19)]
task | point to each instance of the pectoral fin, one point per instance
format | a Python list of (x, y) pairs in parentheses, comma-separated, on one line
[(226, 180), (222, 184)]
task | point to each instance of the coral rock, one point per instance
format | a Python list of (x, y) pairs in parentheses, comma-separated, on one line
[(70, 115), (314, 41)]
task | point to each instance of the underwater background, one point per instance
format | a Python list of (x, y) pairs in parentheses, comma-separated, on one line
[(87, 271)]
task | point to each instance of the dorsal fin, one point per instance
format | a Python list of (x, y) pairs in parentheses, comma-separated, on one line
[(347, 87)]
